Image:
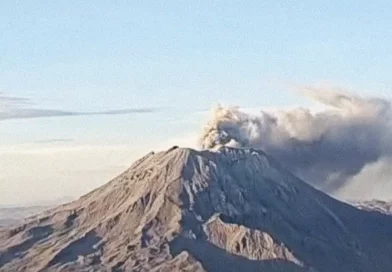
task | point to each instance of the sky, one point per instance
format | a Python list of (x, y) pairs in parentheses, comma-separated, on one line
[(86, 87)]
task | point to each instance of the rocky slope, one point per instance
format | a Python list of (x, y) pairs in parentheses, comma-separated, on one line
[(187, 210)]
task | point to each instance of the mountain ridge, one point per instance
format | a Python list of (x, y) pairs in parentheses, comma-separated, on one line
[(189, 210)]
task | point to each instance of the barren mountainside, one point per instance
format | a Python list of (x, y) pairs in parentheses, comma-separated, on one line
[(186, 210)]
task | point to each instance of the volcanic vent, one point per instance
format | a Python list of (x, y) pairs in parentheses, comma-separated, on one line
[(186, 210)]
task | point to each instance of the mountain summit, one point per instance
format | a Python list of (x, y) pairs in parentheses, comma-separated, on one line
[(186, 210)]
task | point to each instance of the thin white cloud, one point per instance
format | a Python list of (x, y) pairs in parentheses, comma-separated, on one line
[(6, 100), (54, 140), (21, 108)]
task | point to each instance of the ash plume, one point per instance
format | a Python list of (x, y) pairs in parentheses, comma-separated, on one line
[(326, 148)]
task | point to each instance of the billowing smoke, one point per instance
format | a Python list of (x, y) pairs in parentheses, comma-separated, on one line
[(325, 148)]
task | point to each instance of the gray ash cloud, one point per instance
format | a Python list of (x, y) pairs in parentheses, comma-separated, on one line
[(325, 148)]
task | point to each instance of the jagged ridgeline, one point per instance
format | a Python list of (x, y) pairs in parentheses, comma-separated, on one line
[(186, 210)]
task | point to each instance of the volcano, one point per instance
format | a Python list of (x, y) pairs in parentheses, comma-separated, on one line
[(214, 210)]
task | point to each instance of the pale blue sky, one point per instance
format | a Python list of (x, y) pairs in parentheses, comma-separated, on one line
[(177, 57)]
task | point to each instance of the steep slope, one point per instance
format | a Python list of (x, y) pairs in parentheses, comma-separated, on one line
[(187, 210)]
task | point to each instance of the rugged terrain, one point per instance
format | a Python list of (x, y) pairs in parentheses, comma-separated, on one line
[(186, 210)]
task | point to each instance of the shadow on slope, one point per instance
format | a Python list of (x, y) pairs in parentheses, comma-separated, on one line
[(81, 247), (36, 234)]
